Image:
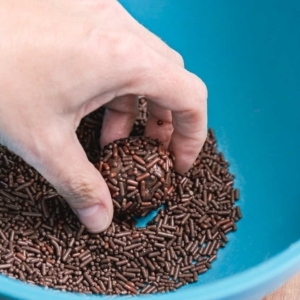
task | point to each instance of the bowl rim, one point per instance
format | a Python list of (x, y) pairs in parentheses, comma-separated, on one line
[(288, 261)]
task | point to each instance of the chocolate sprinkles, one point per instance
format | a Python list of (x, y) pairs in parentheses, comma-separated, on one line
[(138, 174), (42, 242)]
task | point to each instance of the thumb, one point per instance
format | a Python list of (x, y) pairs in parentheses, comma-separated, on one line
[(65, 165)]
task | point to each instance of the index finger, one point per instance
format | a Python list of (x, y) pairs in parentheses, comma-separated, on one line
[(187, 101), (172, 87)]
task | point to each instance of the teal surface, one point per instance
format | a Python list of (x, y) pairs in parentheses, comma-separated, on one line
[(248, 53)]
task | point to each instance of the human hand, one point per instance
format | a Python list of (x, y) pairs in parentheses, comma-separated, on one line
[(60, 60)]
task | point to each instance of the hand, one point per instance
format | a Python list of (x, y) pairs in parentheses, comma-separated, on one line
[(60, 60)]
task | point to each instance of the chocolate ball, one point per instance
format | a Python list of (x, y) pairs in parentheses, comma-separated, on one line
[(138, 172)]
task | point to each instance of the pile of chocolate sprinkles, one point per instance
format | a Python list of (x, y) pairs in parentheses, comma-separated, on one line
[(42, 242)]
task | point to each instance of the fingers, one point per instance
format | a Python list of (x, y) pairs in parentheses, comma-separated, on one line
[(159, 124), (182, 93), (190, 131), (154, 73), (63, 162), (119, 118), (187, 101), (170, 87)]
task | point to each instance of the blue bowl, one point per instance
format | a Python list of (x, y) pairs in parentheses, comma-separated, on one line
[(248, 53)]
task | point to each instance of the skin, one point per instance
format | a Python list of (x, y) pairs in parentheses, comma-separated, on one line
[(60, 60)]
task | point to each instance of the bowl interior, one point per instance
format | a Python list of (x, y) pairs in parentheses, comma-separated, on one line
[(247, 52), (248, 55)]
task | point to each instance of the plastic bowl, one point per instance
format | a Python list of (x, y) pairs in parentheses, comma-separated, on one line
[(248, 54)]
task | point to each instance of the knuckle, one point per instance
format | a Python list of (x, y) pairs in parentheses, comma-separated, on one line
[(200, 89), (125, 48), (116, 43), (194, 118), (178, 58), (77, 190), (128, 50)]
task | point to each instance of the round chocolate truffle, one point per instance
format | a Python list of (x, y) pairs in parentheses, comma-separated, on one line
[(139, 174)]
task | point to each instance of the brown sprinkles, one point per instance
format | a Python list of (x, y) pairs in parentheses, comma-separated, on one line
[(140, 177), (43, 243)]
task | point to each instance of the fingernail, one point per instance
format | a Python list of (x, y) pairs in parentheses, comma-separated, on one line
[(95, 217)]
